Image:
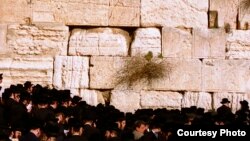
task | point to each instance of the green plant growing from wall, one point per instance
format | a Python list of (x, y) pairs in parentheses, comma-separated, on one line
[(145, 69)]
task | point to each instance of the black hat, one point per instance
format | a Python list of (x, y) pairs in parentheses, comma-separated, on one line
[(52, 128), (225, 100), (76, 99), (73, 122), (244, 103), (28, 84), (35, 123)]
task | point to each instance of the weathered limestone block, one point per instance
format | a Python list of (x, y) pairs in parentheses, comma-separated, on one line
[(225, 75), (38, 40), (174, 13), (73, 12), (92, 97), (15, 11), (234, 99), (209, 43), (156, 99), (124, 13), (99, 41), (103, 71), (19, 70), (125, 100), (176, 42), (185, 75), (71, 72), (146, 39), (199, 99), (238, 45), (227, 11)]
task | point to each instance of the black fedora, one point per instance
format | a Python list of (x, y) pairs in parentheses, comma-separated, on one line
[(225, 100)]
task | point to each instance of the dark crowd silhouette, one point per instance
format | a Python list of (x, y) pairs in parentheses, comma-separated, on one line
[(31, 112)]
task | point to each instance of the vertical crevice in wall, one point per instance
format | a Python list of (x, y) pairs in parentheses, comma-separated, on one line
[(90, 65), (161, 31), (70, 33), (140, 25), (212, 101), (182, 94)]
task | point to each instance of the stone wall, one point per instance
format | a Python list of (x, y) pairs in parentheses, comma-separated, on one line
[(81, 44)]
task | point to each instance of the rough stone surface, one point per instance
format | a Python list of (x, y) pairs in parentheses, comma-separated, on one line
[(145, 40), (37, 40), (72, 12), (3, 34), (103, 71), (238, 44), (176, 43), (92, 97), (71, 72), (12, 11), (99, 41), (125, 100), (173, 13), (88, 12), (18, 70), (185, 75), (157, 99), (227, 11), (225, 75), (209, 43), (124, 13), (199, 99)]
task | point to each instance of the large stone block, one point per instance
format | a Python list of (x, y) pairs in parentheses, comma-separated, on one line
[(185, 75), (92, 97), (199, 99), (19, 70), (209, 43), (176, 43), (73, 12), (124, 13), (238, 44), (38, 40), (103, 71), (99, 41), (227, 11), (225, 75), (145, 40), (157, 99), (15, 11), (174, 13), (125, 100), (71, 72)]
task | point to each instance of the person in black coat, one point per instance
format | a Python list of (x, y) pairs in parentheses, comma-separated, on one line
[(75, 131), (224, 112), (34, 132)]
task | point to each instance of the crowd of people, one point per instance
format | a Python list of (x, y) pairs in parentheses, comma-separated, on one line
[(31, 112)]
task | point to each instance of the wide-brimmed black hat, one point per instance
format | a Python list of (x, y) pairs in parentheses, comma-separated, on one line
[(225, 100)]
